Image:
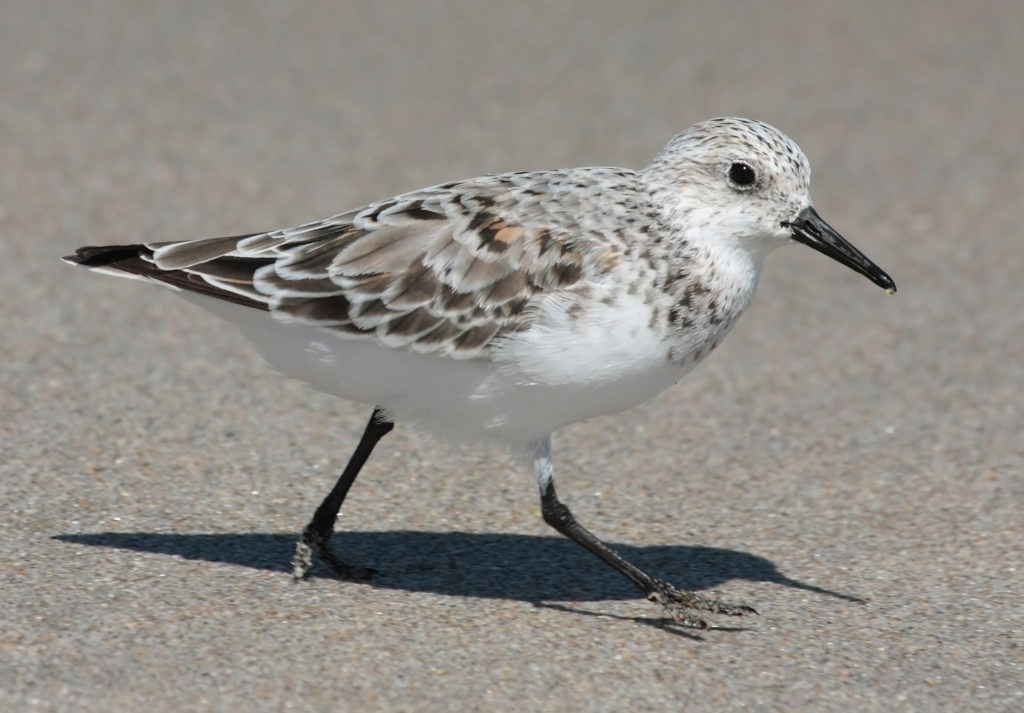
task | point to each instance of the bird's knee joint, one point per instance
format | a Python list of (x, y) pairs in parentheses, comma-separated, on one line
[(556, 514)]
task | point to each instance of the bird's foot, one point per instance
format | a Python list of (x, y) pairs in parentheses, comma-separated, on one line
[(315, 542), (683, 605)]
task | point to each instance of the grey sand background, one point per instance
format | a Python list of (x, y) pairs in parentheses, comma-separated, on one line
[(849, 463)]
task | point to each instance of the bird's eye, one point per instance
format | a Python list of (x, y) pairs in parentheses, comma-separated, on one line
[(742, 175)]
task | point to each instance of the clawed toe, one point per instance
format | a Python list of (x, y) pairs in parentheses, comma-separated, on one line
[(683, 605), (313, 542)]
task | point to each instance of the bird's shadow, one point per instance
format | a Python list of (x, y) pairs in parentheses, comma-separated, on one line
[(508, 566)]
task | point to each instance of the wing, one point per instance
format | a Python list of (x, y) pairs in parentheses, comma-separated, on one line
[(444, 269)]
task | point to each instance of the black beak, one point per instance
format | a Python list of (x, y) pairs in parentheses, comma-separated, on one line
[(811, 229)]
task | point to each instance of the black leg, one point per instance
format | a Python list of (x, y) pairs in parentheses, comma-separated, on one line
[(679, 603), (317, 535)]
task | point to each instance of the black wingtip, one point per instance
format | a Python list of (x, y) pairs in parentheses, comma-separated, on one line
[(102, 255), (137, 261)]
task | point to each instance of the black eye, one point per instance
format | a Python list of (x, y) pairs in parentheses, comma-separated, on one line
[(742, 175)]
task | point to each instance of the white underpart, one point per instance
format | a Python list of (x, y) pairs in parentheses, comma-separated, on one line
[(600, 343), (542, 379)]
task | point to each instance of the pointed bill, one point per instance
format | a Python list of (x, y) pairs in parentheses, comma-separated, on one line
[(811, 229)]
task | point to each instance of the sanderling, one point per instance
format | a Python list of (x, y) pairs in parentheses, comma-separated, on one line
[(506, 306)]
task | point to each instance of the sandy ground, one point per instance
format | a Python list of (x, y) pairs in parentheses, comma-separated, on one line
[(851, 464)]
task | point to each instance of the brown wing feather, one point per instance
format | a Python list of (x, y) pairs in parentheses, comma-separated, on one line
[(441, 270)]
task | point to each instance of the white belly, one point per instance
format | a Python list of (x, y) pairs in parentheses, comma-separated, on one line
[(539, 380)]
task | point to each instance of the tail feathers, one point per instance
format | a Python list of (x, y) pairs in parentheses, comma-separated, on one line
[(137, 261)]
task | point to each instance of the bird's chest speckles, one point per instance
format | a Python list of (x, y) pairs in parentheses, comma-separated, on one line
[(702, 304)]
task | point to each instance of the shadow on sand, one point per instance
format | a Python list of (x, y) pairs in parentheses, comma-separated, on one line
[(525, 567)]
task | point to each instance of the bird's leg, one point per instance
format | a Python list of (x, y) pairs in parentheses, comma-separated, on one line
[(681, 605), (317, 535)]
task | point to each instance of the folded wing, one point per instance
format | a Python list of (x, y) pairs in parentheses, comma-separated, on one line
[(442, 270)]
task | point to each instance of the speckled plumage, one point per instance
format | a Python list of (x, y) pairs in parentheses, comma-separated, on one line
[(507, 306)]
